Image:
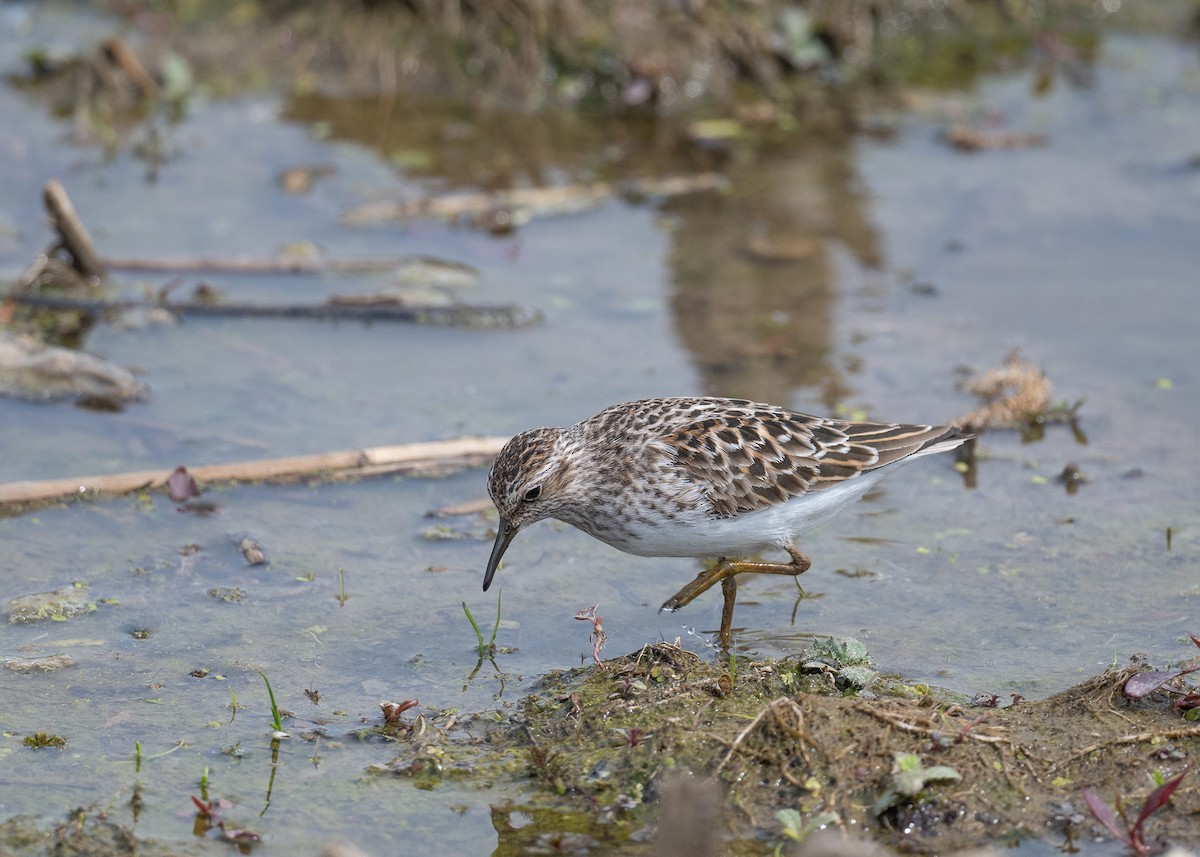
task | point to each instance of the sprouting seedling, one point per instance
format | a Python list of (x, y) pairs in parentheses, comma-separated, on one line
[(485, 649), (275, 718), (797, 829), (207, 809), (1132, 834), (342, 597), (478, 634)]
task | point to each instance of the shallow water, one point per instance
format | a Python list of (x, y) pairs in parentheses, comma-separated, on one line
[(1082, 254)]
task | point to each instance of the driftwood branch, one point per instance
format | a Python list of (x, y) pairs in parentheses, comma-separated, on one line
[(453, 315), (74, 239), (263, 266), (414, 457)]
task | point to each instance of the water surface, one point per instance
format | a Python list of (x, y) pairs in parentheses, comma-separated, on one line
[(1081, 254)]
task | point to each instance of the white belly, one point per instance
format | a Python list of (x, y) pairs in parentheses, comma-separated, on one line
[(748, 533)]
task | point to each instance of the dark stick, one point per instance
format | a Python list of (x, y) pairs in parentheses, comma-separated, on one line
[(71, 231), (460, 315), (264, 266)]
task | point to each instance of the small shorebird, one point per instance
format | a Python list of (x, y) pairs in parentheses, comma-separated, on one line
[(703, 477)]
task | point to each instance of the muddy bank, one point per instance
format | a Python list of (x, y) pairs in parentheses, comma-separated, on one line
[(793, 746)]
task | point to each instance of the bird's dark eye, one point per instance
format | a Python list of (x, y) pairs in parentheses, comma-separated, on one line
[(533, 493)]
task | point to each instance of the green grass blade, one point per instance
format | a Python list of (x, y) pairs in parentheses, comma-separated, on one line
[(492, 642), (475, 625), (274, 708)]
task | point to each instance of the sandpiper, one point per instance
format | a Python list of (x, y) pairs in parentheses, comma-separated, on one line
[(703, 477)]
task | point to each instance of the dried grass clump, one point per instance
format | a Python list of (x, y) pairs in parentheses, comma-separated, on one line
[(1010, 396)]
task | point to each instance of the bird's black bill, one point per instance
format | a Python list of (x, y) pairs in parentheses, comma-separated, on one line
[(504, 535)]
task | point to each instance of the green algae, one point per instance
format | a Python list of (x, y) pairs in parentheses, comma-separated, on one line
[(57, 606), (38, 740)]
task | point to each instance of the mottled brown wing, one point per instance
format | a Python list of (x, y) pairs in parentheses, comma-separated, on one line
[(764, 456)]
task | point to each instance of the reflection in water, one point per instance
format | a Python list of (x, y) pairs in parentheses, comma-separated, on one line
[(491, 150), (753, 272)]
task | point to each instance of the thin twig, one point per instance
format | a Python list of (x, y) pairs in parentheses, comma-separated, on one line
[(905, 726), (1137, 738), (742, 735)]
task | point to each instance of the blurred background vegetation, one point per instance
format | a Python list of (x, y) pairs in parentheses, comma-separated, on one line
[(664, 56)]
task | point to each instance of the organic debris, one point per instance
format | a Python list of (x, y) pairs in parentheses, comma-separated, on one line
[(1014, 396), (393, 710), (41, 663), (82, 831), (33, 370), (252, 551), (504, 211), (56, 606), (1072, 477), (971, 140)]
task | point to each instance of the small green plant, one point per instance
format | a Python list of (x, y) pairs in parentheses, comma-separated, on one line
[(797, 829), (1132, 835), (275, 718), (488, 648), (845, 657), (908, 779)]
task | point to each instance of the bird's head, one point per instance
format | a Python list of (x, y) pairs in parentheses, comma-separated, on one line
[(530, 480)]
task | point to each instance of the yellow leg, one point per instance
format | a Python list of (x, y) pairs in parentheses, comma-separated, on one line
[(725, 572), (729, 591)]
